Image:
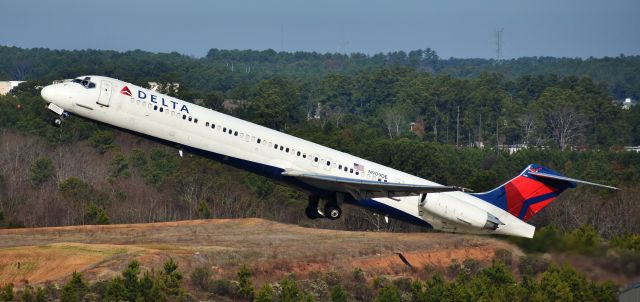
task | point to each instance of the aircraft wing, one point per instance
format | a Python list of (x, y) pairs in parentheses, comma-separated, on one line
[(361, 188)]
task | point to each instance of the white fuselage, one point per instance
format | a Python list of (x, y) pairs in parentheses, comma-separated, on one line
[(252, 146)]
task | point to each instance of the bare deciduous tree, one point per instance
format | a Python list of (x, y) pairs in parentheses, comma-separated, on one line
[(528, 127), (394, 119), (566, 125)]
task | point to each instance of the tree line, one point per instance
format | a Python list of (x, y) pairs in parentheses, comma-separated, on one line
[(465, 281)]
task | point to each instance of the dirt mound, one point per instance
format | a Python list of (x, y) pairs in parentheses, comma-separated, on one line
[(41, 255)]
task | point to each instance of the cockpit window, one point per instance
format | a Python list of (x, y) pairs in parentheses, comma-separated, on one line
[(86, 82)]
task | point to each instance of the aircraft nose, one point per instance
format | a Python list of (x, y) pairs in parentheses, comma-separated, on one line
[(48, 93)]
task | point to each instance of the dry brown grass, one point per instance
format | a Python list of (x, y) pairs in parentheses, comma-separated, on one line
[(271, 249)]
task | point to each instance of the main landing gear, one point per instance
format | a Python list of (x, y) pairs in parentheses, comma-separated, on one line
[(331, 209)]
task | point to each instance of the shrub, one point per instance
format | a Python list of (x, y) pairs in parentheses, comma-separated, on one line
[(584, 240), (119, 166), (75, 289), (472, 266), (532, 265), (224, 288), (338, 294), (201, 277), (244, 280), (389, 293), (626, 241), (333, 278), (203, 210), (265, 294), (42, 170), (289, 290), (6, 294), (358, 275), (96, 215), (102, 140)]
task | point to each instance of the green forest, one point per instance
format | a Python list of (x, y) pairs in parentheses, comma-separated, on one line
[(448, 120)]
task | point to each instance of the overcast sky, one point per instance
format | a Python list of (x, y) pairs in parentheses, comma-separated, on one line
[(463, 29)]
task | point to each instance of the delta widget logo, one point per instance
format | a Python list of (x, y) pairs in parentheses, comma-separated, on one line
[(125, 90)]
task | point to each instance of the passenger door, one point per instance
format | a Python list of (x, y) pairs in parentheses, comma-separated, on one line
[(105, 93)]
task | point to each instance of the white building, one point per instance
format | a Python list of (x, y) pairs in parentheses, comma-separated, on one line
[(6, 86), (628, 103)]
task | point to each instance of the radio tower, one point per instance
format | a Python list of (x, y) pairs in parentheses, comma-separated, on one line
[(499, 44)]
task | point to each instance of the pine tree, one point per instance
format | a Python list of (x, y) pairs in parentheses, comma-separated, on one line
[(244, 279), (75, 289)]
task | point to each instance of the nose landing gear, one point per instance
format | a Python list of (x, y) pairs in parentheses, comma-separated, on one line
[(57, 121)]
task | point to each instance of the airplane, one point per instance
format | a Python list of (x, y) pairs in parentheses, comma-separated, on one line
[(329, 177)]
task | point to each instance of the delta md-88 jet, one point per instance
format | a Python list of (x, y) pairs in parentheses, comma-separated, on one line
[(329, 177)]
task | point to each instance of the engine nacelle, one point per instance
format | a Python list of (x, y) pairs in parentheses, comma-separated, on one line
[(459, 212)]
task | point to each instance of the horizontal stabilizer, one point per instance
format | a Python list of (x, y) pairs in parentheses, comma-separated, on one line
[(564, 178)]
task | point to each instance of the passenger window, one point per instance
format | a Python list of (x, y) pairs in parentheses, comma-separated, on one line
[(184, 116), (286, 150), (304, 155), (190, 118), (206, 124), (328, 163), (340, 167), (350, 170), (345, 168), (281, 148), (155, 107), (357, 173), (213, 126), (224, 129), (195, 121), (161, 109), (259, 140), (275, 146), (235, 133), (315, 159), (298, 153)]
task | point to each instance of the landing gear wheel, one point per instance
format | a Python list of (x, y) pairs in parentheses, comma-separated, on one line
[(332, 211), (312, 208), (56, 121), (312, 213)]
